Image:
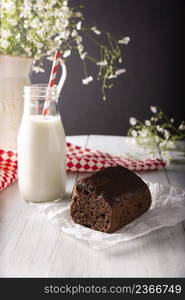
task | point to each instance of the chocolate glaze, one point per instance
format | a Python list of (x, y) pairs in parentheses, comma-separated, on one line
[(114, 183)]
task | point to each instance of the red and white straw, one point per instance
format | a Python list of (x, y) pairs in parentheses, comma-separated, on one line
[(51, 81)]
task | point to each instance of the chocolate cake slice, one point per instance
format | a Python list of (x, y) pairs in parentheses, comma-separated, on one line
[(109, 199)]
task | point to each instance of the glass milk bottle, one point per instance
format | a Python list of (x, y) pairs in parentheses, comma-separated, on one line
[(41, 147)]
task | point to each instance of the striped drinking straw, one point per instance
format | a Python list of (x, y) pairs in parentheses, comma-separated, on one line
[(51, 81)]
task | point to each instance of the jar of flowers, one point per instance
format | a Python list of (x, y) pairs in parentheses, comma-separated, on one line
[(31, 31)]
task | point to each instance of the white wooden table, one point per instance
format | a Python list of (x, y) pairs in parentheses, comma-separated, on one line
[(32, 247)]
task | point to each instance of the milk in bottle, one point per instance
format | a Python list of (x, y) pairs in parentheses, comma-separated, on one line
[(41, 149)]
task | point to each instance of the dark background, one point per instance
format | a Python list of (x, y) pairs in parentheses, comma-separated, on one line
[(153, 60)]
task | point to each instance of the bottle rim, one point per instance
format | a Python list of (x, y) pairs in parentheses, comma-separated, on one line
[(40, 91)]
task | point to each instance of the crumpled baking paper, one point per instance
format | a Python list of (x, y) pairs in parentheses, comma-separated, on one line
[(167, 209)]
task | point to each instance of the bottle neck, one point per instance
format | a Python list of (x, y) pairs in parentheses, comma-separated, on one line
[(35, 97)]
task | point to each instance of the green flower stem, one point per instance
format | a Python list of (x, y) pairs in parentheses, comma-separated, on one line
[(109, 39), (94, 60), (85, 68)]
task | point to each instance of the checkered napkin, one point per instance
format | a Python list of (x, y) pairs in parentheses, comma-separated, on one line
[(8, 168), (78, 160)]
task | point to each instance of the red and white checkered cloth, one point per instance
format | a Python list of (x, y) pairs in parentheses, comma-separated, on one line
[(78, 160)]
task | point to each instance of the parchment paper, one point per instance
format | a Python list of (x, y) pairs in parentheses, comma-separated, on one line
[(167, 209)]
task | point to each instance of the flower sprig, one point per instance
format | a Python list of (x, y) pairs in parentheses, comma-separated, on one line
[(37, 28), (160, 130), (110, 58)]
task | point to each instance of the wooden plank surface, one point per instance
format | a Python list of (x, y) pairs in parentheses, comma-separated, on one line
[(30, 246)]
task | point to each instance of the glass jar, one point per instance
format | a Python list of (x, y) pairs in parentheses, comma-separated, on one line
[(41, 147)]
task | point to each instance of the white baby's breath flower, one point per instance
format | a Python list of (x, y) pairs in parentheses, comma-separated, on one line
[(12, 22), (39, 45), (58, 40), (4, 44), (134, 133), (79, 25), (125, 40), (120, 60), (26, 9), (181, 127), (50, 58), (120, 71), (67, 53), (147, 123), (102, 63), (9, 6), (35, 23), (83, 55), (132, 121), (172, 120), (144, 132), (64, 35), (80, 48), (95, 30), (37, 69), (159, 128), (78, 39), (74, 33), (39, 5), (29, 37), (87, 80), (166, 134), (26, 24), (112, 76), (18, 36), (154, 119), (153, 109), (5, 33), (28, 51)]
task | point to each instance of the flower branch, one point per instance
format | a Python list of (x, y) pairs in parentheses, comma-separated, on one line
[(160, 130)]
